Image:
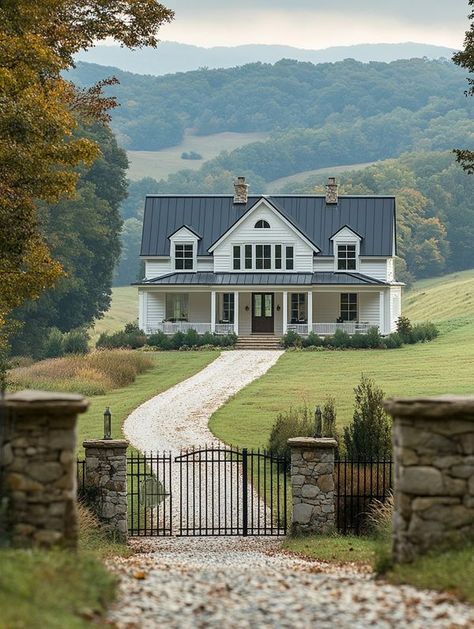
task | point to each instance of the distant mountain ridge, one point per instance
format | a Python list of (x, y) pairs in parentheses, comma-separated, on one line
[(171, 57)]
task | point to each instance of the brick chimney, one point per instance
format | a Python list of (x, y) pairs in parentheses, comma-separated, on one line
[(241, 190), (331, 191)]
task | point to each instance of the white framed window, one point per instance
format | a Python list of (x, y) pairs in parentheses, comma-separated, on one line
[(346, 257), (263, 257), (298, 308), (262, 224), (184, 256), (277, 257), (228, 308), (177, 307), (349, 307), (237, 253), (290, 258)]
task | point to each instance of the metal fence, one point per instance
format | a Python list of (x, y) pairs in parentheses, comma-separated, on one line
[(81, 477), (359, 485)]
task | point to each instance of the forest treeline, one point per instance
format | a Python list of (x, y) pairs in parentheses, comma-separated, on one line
[(156, 111)]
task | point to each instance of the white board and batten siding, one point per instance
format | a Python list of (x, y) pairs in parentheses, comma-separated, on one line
[(278, 234), (374, 267)]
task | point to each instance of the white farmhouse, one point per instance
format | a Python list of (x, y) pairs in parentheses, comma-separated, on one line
[(262, 265)]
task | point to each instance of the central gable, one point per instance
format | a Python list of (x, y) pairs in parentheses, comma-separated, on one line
[(263, 222)]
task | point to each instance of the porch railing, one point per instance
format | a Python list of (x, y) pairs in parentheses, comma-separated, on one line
[(299, 328), (351, 327), (171, 327)]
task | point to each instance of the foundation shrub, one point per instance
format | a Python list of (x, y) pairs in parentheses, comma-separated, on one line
[(341, 339), (159, 340), (374, 338), (312, 340), (130, 337), (291, 339), (190, 340)]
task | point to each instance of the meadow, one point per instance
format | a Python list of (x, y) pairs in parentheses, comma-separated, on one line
[(160, 164)]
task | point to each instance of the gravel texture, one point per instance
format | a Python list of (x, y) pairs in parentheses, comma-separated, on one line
[(248, 583)]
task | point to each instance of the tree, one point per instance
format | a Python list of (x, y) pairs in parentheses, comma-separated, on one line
[(369, 436), (465, 59), (39, 111)]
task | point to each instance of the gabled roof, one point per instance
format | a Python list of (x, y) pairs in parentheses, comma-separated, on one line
[(212, 216), (208, 278), (346, 227)]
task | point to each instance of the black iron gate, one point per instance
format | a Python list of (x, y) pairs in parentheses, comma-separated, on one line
[(231, 491)]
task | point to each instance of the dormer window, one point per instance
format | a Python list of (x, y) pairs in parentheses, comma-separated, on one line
[(261, 224), (184, 256), (346, 257)]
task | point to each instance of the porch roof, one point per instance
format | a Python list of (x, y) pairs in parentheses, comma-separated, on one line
[(262, 279)]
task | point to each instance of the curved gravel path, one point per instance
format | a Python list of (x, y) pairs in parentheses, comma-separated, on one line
[(237, 583)]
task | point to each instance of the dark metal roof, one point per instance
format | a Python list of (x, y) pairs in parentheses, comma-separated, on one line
[(371, 217), (262, 279)]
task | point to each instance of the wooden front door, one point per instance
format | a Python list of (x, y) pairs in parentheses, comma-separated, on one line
[(262, 313)]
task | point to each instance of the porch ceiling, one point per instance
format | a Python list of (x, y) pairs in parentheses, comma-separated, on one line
[(263, 279)]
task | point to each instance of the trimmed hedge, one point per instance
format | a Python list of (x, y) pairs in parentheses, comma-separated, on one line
[(408, 335)]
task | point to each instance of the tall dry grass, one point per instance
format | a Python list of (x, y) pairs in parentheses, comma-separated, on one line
[(90, 374)]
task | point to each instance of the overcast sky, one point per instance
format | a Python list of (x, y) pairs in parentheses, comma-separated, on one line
[(316, 23)]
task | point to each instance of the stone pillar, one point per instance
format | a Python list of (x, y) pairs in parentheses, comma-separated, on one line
[(40, 470), (312, 481), (106, 483), (434, 473)]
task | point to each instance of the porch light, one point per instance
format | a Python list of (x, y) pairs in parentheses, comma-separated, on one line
[(278, 308), (247, 308), (107, 424), (318, 423)]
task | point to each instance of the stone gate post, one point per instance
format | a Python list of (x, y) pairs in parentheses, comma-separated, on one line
[(106, 483), (312, 481), (434, 473), (39, 467)]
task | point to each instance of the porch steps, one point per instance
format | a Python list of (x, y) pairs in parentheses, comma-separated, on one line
[(257, 341)]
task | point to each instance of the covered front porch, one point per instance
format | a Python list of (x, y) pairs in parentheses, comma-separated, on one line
[(261, 311)]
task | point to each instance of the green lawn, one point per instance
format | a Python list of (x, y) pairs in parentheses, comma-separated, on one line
[(170, 368), (338, 549), (160, 164), (124, 309)]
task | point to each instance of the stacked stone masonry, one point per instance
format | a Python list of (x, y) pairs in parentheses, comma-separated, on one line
[(39, 468), (106, 483), (434, 473), (312, 481)]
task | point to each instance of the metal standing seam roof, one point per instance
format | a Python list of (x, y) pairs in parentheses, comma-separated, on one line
[(202, 278), (211, 216)]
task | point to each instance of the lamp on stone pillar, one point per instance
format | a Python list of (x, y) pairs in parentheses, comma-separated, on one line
[(107, 424)]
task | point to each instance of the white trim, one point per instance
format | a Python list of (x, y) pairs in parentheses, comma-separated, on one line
[(236, 312), (309, 308), (249, 212), (382, 312), (285, 312), (213, 311), (352, 234)]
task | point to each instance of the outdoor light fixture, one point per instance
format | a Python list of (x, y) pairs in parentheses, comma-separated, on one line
[(247, 308), (278, 308), (107, 424), (318, 422)]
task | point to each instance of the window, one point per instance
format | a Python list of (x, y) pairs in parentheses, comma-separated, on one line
[(346, 258), (263, 257), (262, 225), (184, 256), (298, 308), (177, 307), (349, 306), (236, 257), (228, 308), (290, 264), (248, 256), (277, 256)]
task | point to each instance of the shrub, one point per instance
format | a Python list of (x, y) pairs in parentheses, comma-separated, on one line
[(191, 339), (341, 339), (369, 436), (424, 332), (393, 341), (329, 418), (374, 338), (54, 344), (296, 422), (160, 340), (76, 342), (312, 340), (404, 326), (360, 341), (130, 337), (291, 339)]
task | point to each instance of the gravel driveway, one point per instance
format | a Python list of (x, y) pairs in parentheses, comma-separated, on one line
[(232, 583)]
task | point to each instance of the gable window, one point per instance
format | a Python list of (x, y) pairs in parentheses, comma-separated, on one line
[(184, 256), (277, 256), (263, 257), (228, 308), (346, 258), (236, 257), (177, 307), (262, 225), (298, 308), (248, 256), (349, 306), (290, 263)]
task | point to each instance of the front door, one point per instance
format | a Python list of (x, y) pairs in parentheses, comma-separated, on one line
[(262, 313)]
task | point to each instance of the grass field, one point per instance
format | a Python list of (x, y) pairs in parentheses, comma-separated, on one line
[(169, 369), (160, 164), (124, 309)]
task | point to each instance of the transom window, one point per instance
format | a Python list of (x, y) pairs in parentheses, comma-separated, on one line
[(349, 306), (228, 308), (346, 258), (261, 224), (184, 256), (298, 308)]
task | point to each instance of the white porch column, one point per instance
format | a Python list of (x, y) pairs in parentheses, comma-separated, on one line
[(213, 311), (285, 312), (382, 312), (236, 312), (310, 311), (142, 314)]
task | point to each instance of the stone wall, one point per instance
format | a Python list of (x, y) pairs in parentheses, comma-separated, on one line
[(434, 473), (39, 468), (106, 483), (312, 481)]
